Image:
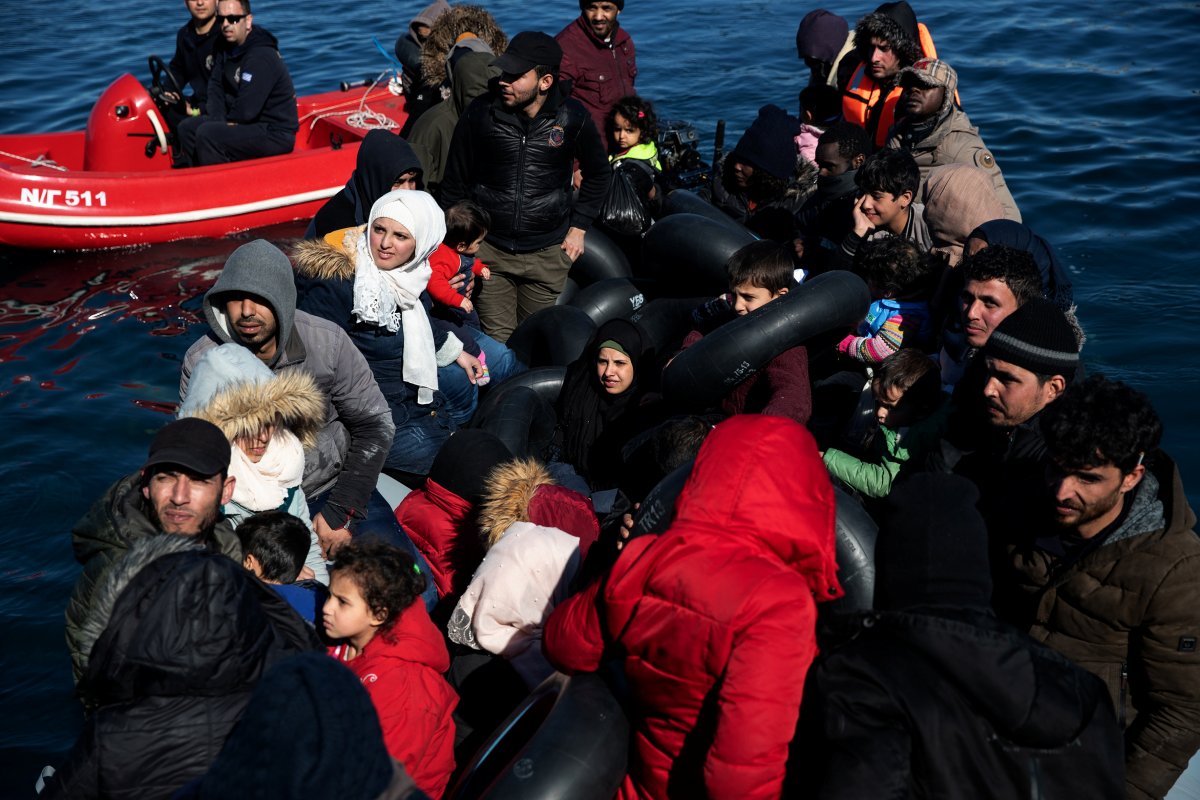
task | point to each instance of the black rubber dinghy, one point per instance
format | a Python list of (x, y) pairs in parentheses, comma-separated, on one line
[(704, 373), (569, 739)]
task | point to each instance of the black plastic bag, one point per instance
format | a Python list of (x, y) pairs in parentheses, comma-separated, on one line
[(624, 208)]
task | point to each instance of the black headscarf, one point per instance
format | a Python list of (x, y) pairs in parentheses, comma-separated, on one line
[(592, 424), (382, 157), (1056, 283)]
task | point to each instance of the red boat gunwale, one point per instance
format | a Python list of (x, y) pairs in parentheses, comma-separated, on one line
[(43, 207)]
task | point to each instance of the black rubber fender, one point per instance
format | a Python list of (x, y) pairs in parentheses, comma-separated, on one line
[(569, 739), (854, 529), (665, 321), (611, 298), (522, 419), (690, 251), (856, 535), (545, 381), (704, 373), (602, 258), (553, 336), (684, 201)]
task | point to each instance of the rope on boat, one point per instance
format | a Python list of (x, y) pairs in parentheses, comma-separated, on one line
[(363, 118), (40, 161)]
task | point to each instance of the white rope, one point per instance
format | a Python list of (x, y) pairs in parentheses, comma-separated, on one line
[(364, 118), (40, 161)]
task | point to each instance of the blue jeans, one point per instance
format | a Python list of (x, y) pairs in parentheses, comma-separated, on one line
[(420, 433), (381, 525), (462, 396)]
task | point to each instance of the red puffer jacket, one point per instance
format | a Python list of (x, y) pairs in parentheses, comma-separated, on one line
[(402, 672), (435, 518), (715, 618)]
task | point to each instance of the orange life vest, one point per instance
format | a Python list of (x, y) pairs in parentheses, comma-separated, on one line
[(862, 95)]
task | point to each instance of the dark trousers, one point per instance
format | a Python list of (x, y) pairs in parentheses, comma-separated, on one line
[(203, 141)]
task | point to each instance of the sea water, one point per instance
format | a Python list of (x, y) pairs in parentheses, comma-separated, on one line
[(1091, 109)]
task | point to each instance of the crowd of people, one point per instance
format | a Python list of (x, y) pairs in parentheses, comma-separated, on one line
[(255, 618)]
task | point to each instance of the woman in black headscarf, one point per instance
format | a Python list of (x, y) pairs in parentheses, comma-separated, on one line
[(1056, 283), (385, 162), (600, 404)]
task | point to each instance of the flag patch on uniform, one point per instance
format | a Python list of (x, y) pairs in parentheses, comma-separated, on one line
[(247, 77)]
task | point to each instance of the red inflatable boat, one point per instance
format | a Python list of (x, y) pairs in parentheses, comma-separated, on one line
[(112, 185)]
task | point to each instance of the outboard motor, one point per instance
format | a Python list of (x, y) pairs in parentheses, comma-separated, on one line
[(125, 131)]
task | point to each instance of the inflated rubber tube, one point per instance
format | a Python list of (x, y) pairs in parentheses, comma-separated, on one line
[(612, 298), (689, 252), (553, 336), (683, 201), (704, 373), (569, 739), (601, 259), (522, 419), (545, 381), (569, 290), (854, 530), (665, 321), (856, 535)]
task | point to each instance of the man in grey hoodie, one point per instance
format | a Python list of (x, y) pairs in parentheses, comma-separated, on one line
[(253, 304)]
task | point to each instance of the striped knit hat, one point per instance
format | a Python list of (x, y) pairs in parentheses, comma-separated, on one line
[(1036, 337)]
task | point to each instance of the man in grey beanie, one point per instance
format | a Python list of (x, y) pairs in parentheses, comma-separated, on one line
[(253, 303)]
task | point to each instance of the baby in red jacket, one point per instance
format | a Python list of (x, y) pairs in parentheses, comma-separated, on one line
[(388, 641), (466, 225)]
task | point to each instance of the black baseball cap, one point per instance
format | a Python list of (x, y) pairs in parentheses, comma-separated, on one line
[(192, 443), (527, 50)]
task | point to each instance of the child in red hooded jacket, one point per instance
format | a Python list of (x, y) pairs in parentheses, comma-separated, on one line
[(389, 642)]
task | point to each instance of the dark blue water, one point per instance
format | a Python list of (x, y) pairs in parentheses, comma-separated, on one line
[(1092, 110)]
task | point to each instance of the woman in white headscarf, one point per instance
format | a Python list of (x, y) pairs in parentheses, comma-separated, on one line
[(369, 281)]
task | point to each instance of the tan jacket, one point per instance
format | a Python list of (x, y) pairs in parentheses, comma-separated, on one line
[(957, 141)]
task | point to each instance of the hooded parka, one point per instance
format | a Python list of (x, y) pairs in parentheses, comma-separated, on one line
[(715, 618)]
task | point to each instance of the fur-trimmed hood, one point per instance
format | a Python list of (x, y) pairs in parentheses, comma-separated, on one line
[(894, 23), (328, 258), (510, 488), (523, 491), (457, 21), (235, 391)]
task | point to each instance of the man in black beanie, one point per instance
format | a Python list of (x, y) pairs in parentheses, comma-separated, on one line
[(934, 696)]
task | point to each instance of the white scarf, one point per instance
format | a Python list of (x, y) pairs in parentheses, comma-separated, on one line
[(391, 298), (264, 486)]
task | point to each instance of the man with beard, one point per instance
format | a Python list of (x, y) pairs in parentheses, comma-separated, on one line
[(192, 63), (1107, 574), (936, 132), (598, 58), (513, 153), (179, 491), (885, 42)]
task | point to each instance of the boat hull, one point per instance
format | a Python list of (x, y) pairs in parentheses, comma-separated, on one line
[(66, 206)]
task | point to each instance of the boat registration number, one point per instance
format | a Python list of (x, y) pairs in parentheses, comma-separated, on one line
[(49, 198)]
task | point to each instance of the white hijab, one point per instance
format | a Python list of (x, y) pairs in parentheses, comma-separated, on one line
[(391, 298)]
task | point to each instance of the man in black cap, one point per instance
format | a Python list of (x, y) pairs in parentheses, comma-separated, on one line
[(513, 153), (179, 490), (598, 60)]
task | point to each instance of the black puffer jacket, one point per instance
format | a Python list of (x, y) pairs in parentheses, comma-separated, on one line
[(180, 636), (950, 703), (520, 169)]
